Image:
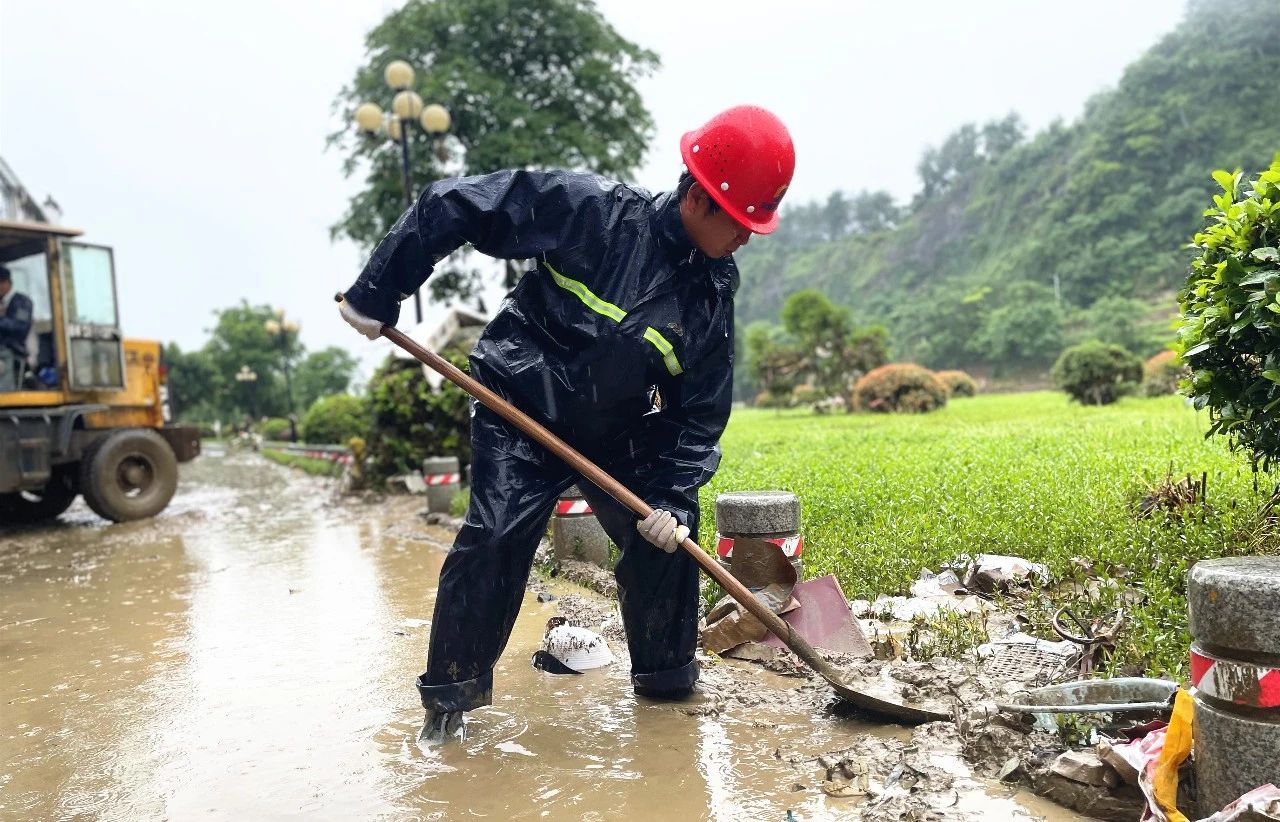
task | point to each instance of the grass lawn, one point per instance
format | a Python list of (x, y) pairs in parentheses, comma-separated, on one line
[(1024, 474)]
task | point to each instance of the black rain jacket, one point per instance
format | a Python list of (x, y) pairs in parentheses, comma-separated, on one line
[(15, 324), (619, 302)]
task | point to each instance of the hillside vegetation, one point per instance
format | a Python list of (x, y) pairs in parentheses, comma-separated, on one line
[(1015, 247)]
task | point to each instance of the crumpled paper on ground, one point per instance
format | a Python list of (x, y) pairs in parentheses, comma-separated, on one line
[(1258, 805), (996, 573), (1157, 756)]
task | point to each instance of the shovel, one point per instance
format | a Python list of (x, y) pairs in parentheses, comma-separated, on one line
[(884, 705)]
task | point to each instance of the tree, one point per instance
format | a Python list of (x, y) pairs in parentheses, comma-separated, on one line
[(194, 384), (322, 373), (1001, 136), (203, 385), (1118, 320), (239, 338), (772, 359), (529, 83), (874, 211), (832, 350), (836, 215), (1026, 329)]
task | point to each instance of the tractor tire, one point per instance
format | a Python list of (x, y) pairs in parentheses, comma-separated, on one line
[(129, 474), (47, 503)]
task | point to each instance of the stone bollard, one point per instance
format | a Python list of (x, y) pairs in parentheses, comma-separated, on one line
[(443, 480), (1235, 668), (575, 531), (758, 533)]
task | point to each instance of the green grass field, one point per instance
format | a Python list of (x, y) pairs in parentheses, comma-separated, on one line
[(315, 467), (1024, 474)]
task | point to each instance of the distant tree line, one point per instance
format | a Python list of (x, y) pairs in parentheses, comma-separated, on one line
[(1015, 247), (203, 386)]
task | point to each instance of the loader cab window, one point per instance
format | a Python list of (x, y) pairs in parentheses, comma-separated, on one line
[(93, 327), (30, 272)]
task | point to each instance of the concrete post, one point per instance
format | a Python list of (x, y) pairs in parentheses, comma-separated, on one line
[(756, 532), (444, 480), (1235, 668), (575, 531)]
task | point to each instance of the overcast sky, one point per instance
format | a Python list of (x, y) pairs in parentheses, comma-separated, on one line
[(190, 137)]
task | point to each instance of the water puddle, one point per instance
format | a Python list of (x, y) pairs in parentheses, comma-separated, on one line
[(251, 654)]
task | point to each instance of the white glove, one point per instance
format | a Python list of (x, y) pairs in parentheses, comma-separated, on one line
[(367, 326), (663, 530)]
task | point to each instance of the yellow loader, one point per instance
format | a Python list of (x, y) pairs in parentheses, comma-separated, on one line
[(85, 411)]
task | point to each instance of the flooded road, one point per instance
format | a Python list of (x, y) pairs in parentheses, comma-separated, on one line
[(250, 654)]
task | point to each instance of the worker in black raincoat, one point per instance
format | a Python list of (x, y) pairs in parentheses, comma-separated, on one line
[(619, 340)]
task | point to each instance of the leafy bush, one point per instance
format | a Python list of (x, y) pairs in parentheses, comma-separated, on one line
[(411, 420), (899, 387), (334, 420), (958, 383), (1230, 331), (1161, 373), (1096, 373), (275, 428)]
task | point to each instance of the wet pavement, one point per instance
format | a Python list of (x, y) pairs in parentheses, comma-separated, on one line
[(250, 654)]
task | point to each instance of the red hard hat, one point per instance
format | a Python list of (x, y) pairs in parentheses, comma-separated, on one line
[(744, 159)]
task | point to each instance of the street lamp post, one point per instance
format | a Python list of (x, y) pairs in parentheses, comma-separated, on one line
[(280, 330), (406, 109), (247, 376)]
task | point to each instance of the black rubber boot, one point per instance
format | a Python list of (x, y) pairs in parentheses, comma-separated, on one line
[(441, 726)]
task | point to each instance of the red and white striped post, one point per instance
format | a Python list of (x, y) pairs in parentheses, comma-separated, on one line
[(444, 480), (575, 531), (1235, 671), (758, 535)]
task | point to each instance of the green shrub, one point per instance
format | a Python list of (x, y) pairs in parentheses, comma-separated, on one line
[(1230, 331), (1096, 373), (899, 388), (412, 421), (958, 383), (334, 420), (1161, 374), (275, 428)]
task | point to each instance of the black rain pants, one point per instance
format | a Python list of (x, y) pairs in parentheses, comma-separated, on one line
[(514, 487)]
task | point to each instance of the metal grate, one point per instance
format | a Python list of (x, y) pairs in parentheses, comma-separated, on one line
[(1032, 663)]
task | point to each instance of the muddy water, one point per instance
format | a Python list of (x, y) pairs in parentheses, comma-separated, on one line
[(250, 655)]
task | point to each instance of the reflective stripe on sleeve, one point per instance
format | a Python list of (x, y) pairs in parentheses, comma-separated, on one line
[(664, 348)]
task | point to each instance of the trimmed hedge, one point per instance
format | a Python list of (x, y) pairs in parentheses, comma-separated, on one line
[(275, 429), (1161, 374), (958, 383), (899, 388)]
